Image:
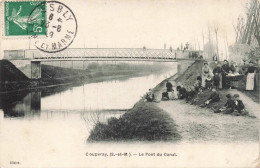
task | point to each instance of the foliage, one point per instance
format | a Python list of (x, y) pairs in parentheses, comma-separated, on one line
[(144, 122)]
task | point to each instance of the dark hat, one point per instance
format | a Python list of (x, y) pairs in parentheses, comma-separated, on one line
[(226, 61), (206, 63), (228, 96), (236, 95), (251, 62)]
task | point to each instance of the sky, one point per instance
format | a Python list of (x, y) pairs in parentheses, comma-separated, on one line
[(150, 23)]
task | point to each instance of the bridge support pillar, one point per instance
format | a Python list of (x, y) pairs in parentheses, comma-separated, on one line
[(35, 70)]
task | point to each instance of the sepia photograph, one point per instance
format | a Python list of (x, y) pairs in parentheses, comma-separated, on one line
[(129, 83)]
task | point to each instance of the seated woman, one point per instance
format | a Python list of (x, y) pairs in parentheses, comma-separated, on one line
[(182, 92), (190, 94), (199, 79), (228, 107), (214, 97), (165, 95), (149, 96), (178, 89), (196, 86)]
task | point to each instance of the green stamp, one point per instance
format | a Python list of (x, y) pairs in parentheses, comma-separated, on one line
[(25, 18)]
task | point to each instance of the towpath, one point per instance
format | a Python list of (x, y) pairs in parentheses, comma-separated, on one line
[(196, 124)]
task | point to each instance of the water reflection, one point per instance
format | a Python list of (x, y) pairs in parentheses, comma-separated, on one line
[(106, 97), (22, 104)]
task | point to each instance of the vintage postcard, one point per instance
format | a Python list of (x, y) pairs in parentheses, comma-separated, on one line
[(129, 83)]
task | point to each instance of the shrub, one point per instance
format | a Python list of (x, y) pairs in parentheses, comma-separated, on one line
[(145, 121)]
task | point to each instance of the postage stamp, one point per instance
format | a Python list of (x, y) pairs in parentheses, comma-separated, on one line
[(16, 18), (51, 25)]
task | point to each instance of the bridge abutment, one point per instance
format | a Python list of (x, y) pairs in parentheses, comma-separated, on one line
[(35, 70)]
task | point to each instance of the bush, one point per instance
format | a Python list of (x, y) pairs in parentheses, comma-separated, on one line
[(144, 122)]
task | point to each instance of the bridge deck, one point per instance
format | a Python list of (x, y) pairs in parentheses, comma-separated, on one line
[(48, 59)]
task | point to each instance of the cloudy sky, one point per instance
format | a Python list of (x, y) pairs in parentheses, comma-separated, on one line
[(135, 23)]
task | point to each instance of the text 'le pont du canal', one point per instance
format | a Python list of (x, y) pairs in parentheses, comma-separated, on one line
[(128, 154)]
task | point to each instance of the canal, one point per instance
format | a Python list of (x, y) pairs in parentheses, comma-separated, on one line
[(67, 114)]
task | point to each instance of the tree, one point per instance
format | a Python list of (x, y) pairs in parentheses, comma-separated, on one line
[(210, 54), (226, 45), (251, 28), (203, 44), (216, 33), (239, 28)]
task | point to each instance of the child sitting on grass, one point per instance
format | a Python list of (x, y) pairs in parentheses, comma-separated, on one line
[(208, 82), (239, 108), (149, 96), (197, 85), (228, 107), (214, 97), (165, 95), (182, 92), (190, 94)]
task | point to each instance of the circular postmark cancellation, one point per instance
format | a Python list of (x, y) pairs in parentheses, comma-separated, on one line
[(60, 24)]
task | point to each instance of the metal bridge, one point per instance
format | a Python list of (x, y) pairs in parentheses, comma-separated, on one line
[(29, 61), (103, 54)]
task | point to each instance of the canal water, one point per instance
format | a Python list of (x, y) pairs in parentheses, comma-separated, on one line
[(44, 119)]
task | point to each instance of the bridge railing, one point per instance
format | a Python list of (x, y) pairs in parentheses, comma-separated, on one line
[(103, 53)]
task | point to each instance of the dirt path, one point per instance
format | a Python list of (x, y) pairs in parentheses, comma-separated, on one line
[(196, 124)]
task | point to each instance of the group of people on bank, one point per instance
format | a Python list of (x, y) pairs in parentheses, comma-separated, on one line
[(212, 81), (224, 75)]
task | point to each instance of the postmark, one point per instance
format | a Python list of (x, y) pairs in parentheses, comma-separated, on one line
[(61, 25), (16, 14)]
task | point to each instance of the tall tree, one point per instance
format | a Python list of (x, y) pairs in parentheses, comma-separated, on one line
[(210, 43), (216, 33), (203, 44), (252, 22)]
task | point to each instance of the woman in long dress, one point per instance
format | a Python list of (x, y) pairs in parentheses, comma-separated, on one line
[(225, 71), (217, 72), (250, 79), (205, 73)]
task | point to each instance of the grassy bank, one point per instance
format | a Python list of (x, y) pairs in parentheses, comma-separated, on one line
[(144, 122)]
